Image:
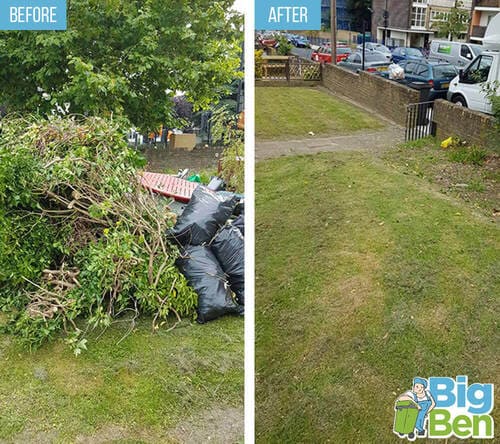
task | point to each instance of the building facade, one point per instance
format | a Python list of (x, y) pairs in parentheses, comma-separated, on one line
[(343, 16), (410, 22), (482, 13)]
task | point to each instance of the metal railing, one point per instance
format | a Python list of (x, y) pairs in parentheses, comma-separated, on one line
[(419, 121)]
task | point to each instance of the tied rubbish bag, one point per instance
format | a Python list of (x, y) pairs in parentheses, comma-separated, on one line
[(228, 246), (204, 273), (239, 223), (205, 213)]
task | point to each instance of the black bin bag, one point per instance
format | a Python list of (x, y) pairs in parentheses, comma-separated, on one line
[(228, 246), (205, 213), (204, 273), (239, 223)]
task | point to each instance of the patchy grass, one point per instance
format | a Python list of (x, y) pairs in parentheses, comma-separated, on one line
[(366, 276), (147, 388), (469, 173), (285, 113)]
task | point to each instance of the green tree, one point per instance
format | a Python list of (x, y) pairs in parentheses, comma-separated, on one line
[(451, 25), (124, 57)]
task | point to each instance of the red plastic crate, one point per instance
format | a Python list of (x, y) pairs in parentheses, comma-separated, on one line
[(167, 185)]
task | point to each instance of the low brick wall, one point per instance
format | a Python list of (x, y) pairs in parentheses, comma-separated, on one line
[(376, 93), (455, 120)]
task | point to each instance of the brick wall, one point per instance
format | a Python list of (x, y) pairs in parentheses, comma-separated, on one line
[(453, 120), (375, 93)]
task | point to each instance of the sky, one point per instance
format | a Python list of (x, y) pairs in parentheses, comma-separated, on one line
[(239, 5)]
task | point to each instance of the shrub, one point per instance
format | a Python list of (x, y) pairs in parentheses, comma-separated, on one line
[(225, 130), (78, 236), (284, 46), (259, 70), (467, 154)]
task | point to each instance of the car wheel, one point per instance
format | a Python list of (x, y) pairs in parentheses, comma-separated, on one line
[(459, 100)]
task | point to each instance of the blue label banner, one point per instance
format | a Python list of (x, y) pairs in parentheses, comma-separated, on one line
[(301, 15), (32, 15)]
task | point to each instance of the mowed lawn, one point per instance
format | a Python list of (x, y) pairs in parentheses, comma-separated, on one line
[(288, 113), (185, 385), (365, 278)]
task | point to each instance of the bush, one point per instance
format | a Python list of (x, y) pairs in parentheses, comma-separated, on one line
[(78, 235), (225, 130), (259, 70), (284, 46), (467, 154)]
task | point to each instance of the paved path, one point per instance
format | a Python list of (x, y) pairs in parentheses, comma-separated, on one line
[(371, 141)]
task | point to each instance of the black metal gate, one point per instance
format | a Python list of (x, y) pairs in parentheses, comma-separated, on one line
[(419, 121)]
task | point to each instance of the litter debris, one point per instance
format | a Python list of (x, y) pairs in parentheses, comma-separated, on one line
[(205, 275), (205, 213), (228, 247), (168, 185), (447, 143), (396, 72)]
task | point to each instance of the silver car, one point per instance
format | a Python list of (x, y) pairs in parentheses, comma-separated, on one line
[(375, 62)]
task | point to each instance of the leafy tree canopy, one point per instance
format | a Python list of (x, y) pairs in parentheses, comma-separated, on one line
[(451, 25), (124, 57)]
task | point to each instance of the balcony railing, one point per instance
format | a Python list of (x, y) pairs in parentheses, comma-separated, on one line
[(478, 31), (488, 3)]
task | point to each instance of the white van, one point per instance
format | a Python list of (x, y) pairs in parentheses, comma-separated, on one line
[(457, 53), (467, 89)]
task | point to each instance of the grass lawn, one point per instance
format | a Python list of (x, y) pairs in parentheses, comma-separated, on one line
[(471, 174), (288, 113), (366, 277), (180, 386)]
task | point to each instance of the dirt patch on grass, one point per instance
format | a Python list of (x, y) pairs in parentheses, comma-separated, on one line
[(477, 185), (220, 425)]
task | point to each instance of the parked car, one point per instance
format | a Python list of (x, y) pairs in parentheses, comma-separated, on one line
[(267, 40), (300, 41), (467, 89), (437, 74), (324, 54), (375, 62), (406, 53), (371, 46), (457, 53)]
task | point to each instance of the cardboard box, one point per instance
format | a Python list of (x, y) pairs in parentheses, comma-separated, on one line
[(183, 141)]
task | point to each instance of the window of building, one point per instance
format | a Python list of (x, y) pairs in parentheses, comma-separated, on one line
[(418, 17)]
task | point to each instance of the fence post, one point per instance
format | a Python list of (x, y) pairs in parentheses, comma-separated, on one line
[(287, 70)]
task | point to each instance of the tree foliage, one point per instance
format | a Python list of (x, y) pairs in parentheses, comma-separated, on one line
[(453, 24), (124, 57), (78, 235)]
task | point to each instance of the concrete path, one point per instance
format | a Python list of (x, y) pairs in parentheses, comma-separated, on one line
[(370, 141)]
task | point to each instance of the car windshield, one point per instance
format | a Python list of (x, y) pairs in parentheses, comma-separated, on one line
[(343, 51), (375, 57), (444, 71), (476, 49), (381, 48), (413, 52)]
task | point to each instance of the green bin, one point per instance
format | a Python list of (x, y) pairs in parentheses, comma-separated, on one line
[(405, 417)]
